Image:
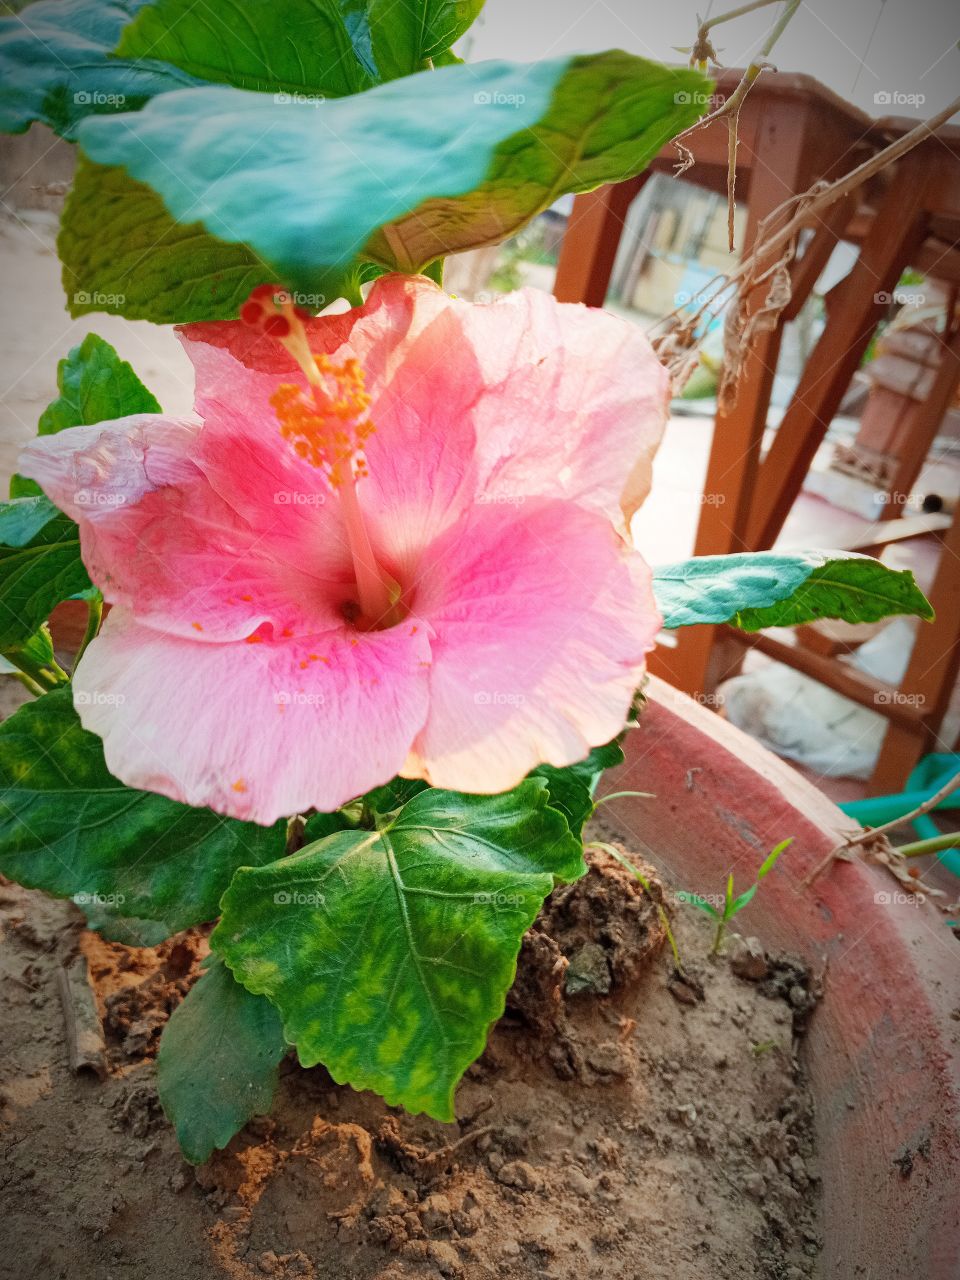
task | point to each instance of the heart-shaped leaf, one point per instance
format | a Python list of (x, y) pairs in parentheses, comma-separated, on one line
[(400, 175), (95, 386), (67, 826), (122, 252), (56, 68), (40, 565), (352, 44), (218, 1060), (389, 953), (783, 589), (572, 789)]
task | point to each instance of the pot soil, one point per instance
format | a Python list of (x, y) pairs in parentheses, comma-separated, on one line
[(621, 1123)]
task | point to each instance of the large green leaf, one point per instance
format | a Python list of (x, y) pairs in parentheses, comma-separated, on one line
[(389, 953), (55, 65), (218, 1059), (783, 589), (352, 44), (444, 160), (572, 788), (40, 565), (122, 252), (70, 828), (95, 386)]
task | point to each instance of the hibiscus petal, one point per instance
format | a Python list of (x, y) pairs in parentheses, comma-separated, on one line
[(541, 616), (259, 731), (423, 379), (575, 405), (156, 538)]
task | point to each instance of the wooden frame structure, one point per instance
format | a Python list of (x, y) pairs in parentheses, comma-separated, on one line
[(793, 133)]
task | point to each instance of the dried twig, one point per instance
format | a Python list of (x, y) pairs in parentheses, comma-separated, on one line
[(767, 262), (702, 54), (86, 1047), (870, 834)]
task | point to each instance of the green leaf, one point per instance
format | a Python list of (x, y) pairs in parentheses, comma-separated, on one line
[(40, 565), (56, 68), (70, 828), (123, 253), (95, 386), (771, 858), (446, 160), (389, 953), (739, 903), (783, 589), (352, 44), (218, 1061), (702, 904), (571, 789)]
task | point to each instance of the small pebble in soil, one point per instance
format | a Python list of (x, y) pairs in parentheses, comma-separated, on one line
[(748, 959)]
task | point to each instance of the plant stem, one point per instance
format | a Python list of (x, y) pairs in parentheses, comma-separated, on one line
[(94, 619), (917, 848), (38, 679), (718, 937)]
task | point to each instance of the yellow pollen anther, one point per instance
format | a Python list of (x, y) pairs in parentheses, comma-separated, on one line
[(329, 428)]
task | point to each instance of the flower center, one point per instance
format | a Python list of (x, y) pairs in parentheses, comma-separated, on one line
[(328, 427)]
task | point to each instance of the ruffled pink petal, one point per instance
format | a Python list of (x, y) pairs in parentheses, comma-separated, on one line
[(254, 731), (156, 538), (575, 402), (541, 617)]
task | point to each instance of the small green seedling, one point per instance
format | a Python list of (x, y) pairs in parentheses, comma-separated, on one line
[(732, 904)]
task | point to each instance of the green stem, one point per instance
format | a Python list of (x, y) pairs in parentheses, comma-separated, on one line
[(718, 937), (94, 619), (38, 679), (617, 795), (918, 848)]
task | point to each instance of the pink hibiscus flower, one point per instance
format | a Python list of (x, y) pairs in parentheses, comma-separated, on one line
[(410, 561)]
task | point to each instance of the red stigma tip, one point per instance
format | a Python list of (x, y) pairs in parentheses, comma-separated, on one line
[(264, 291), (251, 313)]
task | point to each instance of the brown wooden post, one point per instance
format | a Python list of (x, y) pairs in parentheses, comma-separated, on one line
[(590, 242), (780, 168), (896, 234), (930, 676)]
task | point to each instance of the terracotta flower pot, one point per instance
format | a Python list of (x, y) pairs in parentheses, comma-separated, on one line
[(883, 1049)]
